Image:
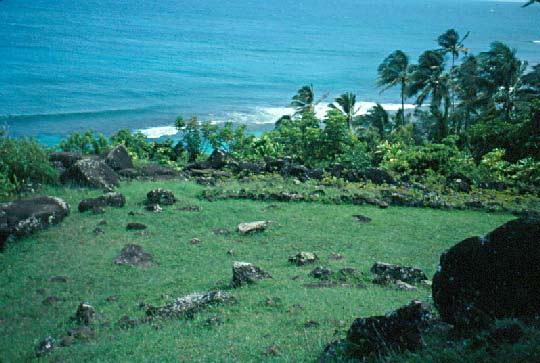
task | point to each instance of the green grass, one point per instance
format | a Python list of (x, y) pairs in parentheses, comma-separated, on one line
[(397, 235)]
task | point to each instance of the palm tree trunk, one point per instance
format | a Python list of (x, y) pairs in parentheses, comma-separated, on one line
[(403, 85)]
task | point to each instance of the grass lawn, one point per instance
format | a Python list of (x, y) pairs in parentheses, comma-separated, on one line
[(408, 236)]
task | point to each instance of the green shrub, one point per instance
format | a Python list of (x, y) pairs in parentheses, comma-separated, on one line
[(23, 161), (85, 143)]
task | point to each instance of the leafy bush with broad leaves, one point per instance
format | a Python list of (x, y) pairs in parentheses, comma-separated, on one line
[(87, 142), (23, 161)]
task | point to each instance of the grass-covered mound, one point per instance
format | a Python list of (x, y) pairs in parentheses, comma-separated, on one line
[(276, 319)]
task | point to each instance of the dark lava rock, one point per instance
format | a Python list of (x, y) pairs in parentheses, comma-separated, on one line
[(362, 219), (218, 159), (348, 273), (46, 346), (191, 208), (221, 231), (135, 226), (398, 331), (21, 218), (160, 196), (126, 322), (195, 241), (509, 334), (133, 255), (321, 273), (66, 159), (98, 230), (459, 182), (249, 167), (113, 298), (106, 200), (85, 314), (333, 284), (190, 304), (118, 158), (379, 176), (410, 275), (58, 279), (303, 258), (158, 171), (91, 173), (246, 273), (495, 276)]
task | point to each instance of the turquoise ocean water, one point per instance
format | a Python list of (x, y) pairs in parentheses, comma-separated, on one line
[(69, 65)]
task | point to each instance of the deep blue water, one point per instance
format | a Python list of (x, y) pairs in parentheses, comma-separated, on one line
[(69, 65)]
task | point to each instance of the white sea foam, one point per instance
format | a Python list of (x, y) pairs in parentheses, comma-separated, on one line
[(157, 132), (536, 41), (268, 115)]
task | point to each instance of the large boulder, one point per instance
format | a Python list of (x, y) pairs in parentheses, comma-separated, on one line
[(495, 276), (379, 176), (91, 173), (218, 159), (396, 272), (250, 227), (303, 258), (133, 255), (108, 200), (399, 330), (160, 196), (22, 217), (459, 182), (246, 273), (65, 159), (119, 159)]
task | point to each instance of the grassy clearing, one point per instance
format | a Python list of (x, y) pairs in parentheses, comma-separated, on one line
[(398, 235)]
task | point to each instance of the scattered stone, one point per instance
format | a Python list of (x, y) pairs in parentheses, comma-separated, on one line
[(221, 231), (246, 273), (321, 273), (383, 280), (67, 341), (92, 173), (82, 333), (311, 324), (270, 207), (98, 210), (410, 275), (362, 219), (214, 321), (230, 252), (85, 314), (400, 285), (50, 300), (135, 226), (272, 350), (65, 159), (336, 256), (119, 159), (383, 205), (126, 322), (160, 196), (142, 234), (155, 208), (379, 176), (106, 200), (191, 208), (23, 217), (98, 230), (132, 213), (303, 258), (490, 277), (195, 241), (250, 227), (397, 331), (190, 304), (113, 298), (58, 279), (459, 182), (134, 255), (332, 284), (45, 346)]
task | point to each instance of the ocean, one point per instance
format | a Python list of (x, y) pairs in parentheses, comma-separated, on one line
[(68, 66)]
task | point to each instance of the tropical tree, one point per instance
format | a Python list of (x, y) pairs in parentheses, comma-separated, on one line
[(377, 118), (468, 87), (429, 80), (451, 43), (346, 103), (304, 100), (531, 82), (531, 2), (501, 72), (394, 70)]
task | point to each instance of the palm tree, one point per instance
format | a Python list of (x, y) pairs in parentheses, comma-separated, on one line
[(530, 3), (429, 79), (394, 70), (346, 103), (501, 72), (468, 87), (304, 100), (450, 43), (378, 118)]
